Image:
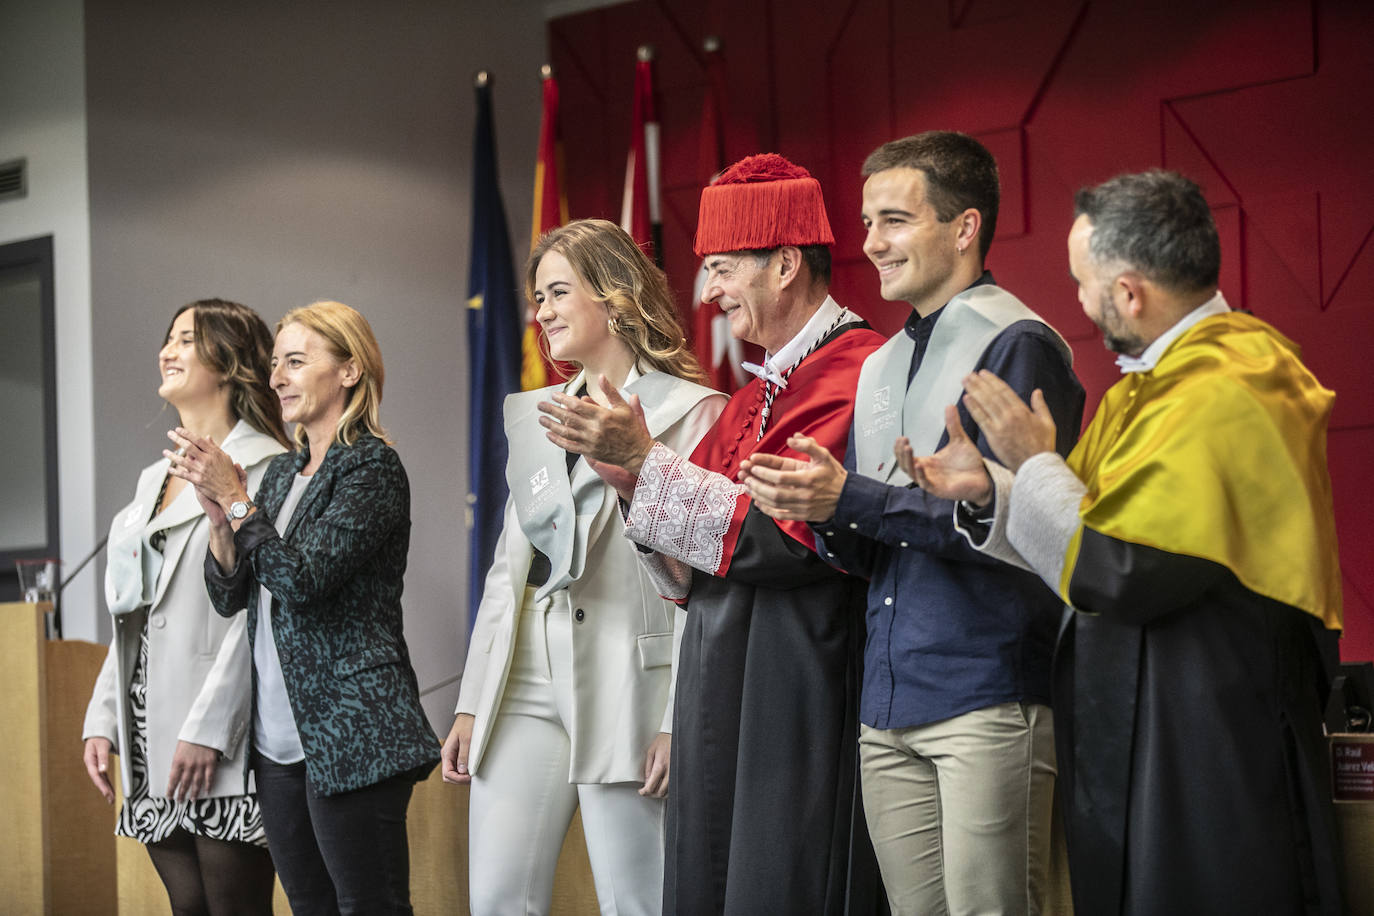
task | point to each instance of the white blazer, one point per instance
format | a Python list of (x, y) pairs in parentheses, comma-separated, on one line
[(625, 642), (199, 671)]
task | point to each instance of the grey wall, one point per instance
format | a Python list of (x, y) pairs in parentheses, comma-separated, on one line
[(43, 120), (280, 153)]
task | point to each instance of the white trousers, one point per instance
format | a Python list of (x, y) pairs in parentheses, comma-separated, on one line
[(522, 803), (959, 811)]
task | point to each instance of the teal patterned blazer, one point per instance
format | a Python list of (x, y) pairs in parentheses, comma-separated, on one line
[(335, 580)]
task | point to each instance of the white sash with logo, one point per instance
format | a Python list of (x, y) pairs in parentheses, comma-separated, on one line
[(556, 508), (886, 407)]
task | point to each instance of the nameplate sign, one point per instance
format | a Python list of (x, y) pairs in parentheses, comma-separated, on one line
[(1352, 768)]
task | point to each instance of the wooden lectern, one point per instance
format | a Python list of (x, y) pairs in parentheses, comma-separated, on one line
[(57, 846)]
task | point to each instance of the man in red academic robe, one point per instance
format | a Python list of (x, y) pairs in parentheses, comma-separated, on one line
[(761, 815)]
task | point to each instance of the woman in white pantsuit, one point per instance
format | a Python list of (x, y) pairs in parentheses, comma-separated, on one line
[(566, 698)]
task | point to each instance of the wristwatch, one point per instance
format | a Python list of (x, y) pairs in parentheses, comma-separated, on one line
[(239, 509)]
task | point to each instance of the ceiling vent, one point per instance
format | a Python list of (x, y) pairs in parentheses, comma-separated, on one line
[(14, 179)]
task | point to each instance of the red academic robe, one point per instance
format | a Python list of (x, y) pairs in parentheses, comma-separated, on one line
[(763, 815)]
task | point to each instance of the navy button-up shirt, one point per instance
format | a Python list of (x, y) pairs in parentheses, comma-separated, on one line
[(950, 630)]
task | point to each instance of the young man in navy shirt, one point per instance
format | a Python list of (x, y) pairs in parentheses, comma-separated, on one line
[(957, 749)]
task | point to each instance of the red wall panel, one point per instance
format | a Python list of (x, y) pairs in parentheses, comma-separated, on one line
[(1267, 103)]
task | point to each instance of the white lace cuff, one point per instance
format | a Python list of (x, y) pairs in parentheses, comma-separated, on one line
[(681, 510)]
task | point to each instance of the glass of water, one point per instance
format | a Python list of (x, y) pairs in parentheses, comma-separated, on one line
[(38, 579)]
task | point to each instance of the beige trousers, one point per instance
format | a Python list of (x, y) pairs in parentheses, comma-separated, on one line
[(959, 810)]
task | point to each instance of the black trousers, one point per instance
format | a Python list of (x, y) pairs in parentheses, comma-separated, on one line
[(336, 854)]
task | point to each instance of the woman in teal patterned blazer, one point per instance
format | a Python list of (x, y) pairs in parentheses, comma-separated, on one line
[(339, 738)]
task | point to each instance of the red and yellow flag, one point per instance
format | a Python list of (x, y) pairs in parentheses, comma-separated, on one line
[(550, 212)]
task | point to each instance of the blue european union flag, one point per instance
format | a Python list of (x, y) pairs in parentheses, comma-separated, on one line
[(494, 329)]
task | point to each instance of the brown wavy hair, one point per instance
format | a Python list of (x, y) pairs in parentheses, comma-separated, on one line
[(617, 273), (349, 336), (233, 341)]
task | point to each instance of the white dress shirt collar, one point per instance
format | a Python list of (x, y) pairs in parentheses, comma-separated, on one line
[(776, 365), (1150, 357)]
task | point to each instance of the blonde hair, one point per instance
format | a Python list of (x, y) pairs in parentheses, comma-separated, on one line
[(348, 336), (616, 273)]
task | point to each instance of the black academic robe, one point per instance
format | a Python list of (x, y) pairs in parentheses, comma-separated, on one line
[(763, 807), (1193, 770)]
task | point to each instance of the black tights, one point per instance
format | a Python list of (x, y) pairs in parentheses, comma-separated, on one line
[(206, 877)]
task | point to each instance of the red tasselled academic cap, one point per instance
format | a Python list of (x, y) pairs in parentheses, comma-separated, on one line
[(762, 201)]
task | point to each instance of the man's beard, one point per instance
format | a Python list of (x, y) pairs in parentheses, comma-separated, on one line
[(1115, 336)]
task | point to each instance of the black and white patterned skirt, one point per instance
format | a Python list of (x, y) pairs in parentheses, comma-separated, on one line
[(151, 819)]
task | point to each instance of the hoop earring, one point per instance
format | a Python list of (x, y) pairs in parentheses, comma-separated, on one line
[(612, 326)]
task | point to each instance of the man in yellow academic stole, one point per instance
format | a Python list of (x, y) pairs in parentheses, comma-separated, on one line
[(1191, 534)]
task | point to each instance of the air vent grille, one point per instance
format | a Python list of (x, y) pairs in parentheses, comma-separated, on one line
[(14, 182)]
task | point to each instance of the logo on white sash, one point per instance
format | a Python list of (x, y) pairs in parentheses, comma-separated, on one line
[(883, 418), (882, 398), (539, 480)]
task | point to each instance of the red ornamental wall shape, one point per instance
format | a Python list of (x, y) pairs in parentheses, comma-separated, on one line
[(1267, 103)]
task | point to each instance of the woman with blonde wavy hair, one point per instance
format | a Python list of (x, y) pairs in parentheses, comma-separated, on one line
[(566, 698), (338, 736)]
